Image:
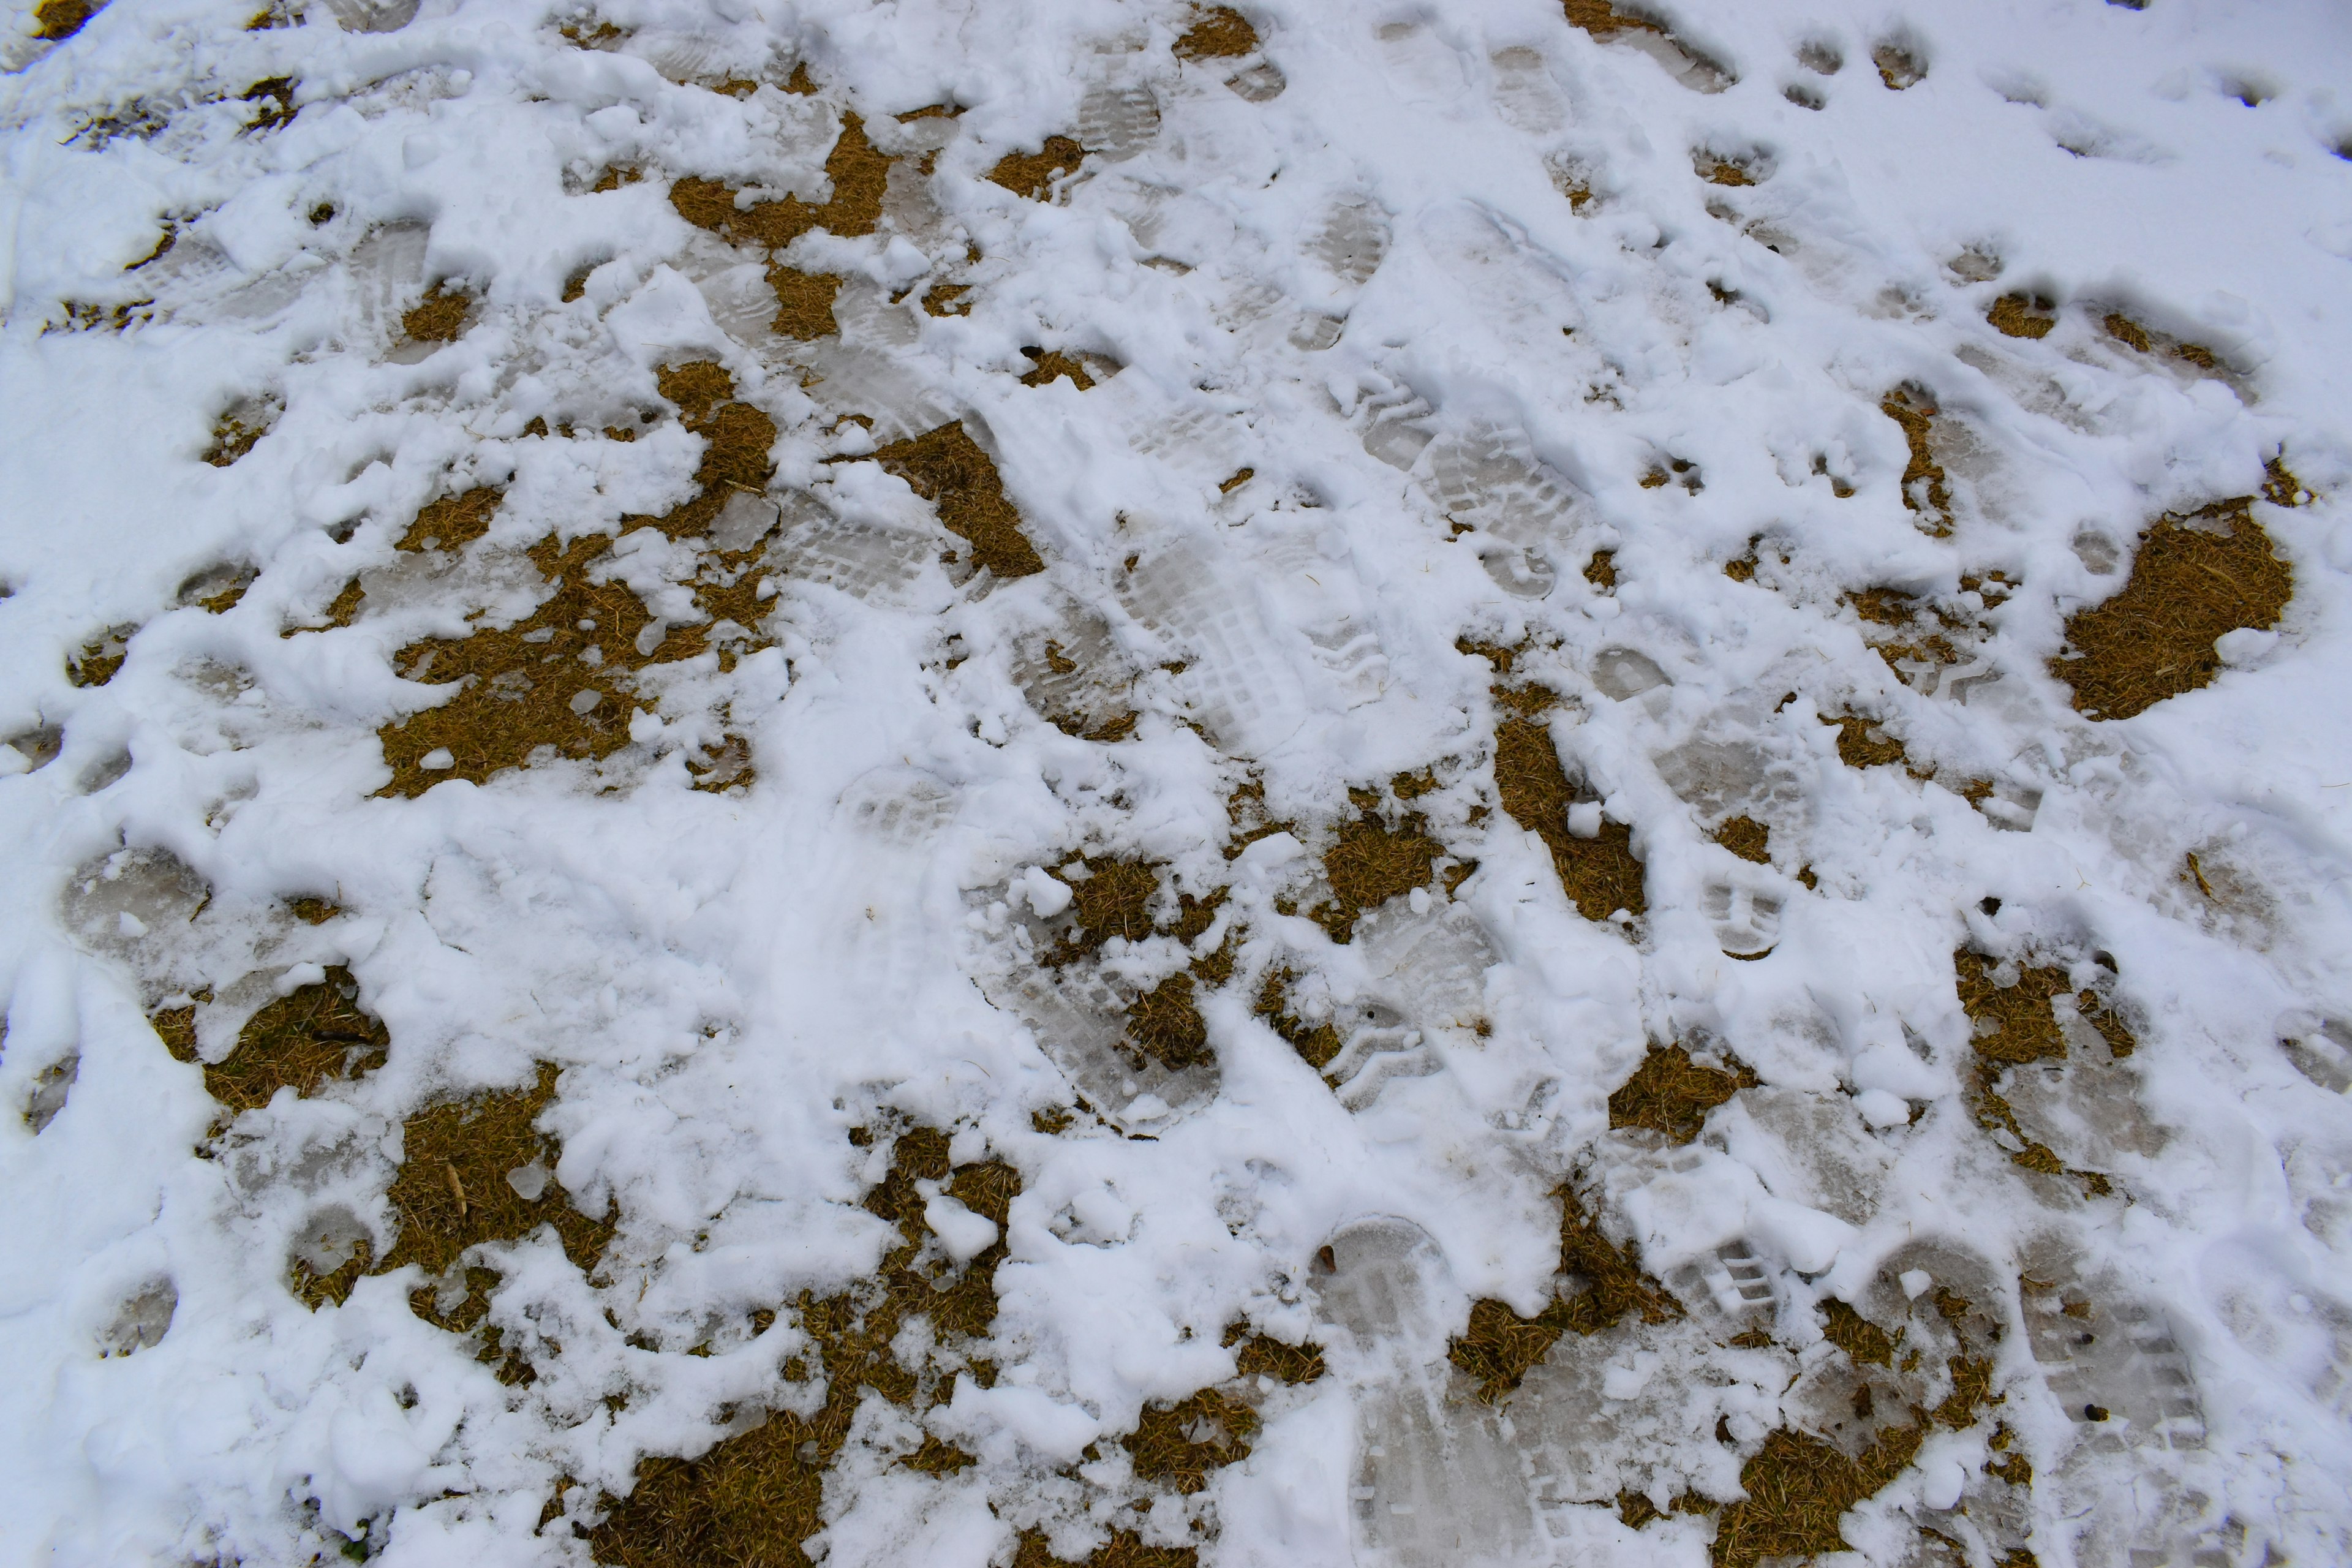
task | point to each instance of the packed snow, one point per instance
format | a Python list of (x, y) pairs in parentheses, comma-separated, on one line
[(794, 781)]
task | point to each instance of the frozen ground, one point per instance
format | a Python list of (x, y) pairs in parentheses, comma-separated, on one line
[(1366, 818)]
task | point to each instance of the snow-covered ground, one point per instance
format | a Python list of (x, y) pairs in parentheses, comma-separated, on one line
[(700, 769)]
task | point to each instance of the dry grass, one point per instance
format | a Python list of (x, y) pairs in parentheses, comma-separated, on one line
[(1317, 1044), (1499, 1346), (312, 1035), (1031, 174), (1671, 1094), (1863, 1342), (1926, 489), (439, 318), (1113, 899), (453, 522), (859, 175), (948, 299), (1747, 839), (947, 468), (96, 661), (2192, 580), (1797, 1486), (1220, 33), (54, 21), (1051, 364), (752, 1500), (1124, 1549), (1260, 1356), (2024, 315), (558, 683), (1602, 874), (2017, 1025), (1899, 67), (233, 439), (804, 302), (1164, 1024), (1372, 863), (453, 1191), (1600, 18), (1178, 1444), (1862, 744), (1601, 570)]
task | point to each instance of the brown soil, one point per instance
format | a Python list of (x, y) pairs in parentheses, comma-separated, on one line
[(1165, 1025), (1218, 33), (1671, 1094), (1924, 489), (453, 522), (56, 20), (1499, 1346), (1601, 875), (804, 302), (1370, 864), (1031, 174), (1051, 364), (947, 468), (1178, 1444), (754, 1499), (2024, 315), (1747, 839), (859, 173), (2190, 583), (313, 1034), (439, 317)]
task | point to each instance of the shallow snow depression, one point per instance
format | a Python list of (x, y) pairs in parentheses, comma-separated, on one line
[(1097, 782)]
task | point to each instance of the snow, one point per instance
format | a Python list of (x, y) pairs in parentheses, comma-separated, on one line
[(1381, 385)]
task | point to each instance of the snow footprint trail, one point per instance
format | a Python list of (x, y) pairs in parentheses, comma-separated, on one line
[(1173, 790)]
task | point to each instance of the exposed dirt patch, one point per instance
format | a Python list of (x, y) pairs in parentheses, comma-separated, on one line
[(1601, 570), (1601, 873), (54, 21), (947, 468), (754, 1497), (1260, 1356), (1031, 174), (1499, 1346), (1926, 489), (1220, 33), (1372, 863), (1797, 1486), (96, 661), (464, 1170), (1165, 1025), (1671, 1094), (1860, 743), (1317, 1043), (1747, 839), (1179, 1444), (1113, 899), (439, 318), (1899, 65), (2016, 1024), (1863, 1342), (2192, 580), (1051, 364), (2024, 315), (312, 1035), (804, 302), (453, 522), (859, 175)]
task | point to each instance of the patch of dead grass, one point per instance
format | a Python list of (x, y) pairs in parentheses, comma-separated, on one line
[(1863, 1342), (1317, 1044), (96, 661), (453, 522), (1372, 863), (1164, 1024), (947, 468), (1926, 490), (859, 175), (1179, 1443), (1219, 32), (439, 317), (1499, 1346), (453, 1191), (54, 21), (2024, 315), (1797, 1486), (1051, 364), (302, 1040), (804, 302), (2016, 1025), (1671, 1094), (1124, 1549), (1601, 875), (1747, 839), (1031, 174), (2192, 580)]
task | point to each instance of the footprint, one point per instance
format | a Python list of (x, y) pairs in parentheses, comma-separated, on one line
[(1422, 67), (127, 903), (143, 1320), (373, 15), (1074, 673), (1524, 95), (2323, 1055), (1622, 673), (1519, 290), (902, 807), (1117, 122), (1079, 1017), (863, 560), (1238, 680), (1746, 920), (1351, 239), (1814, 1149), (1435, 1482), (1490, 479), (1430, 966), (387, 272), (2110, 1361)]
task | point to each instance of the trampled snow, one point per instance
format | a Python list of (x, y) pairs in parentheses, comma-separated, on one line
[(670, 685)]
